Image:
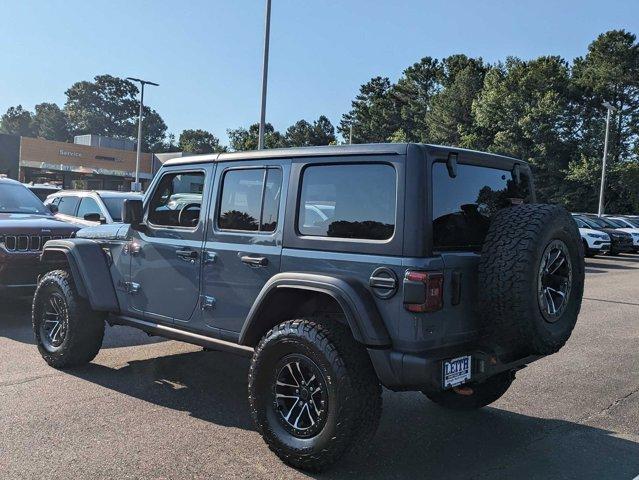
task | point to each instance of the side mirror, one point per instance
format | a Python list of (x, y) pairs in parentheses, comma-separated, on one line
[(132, 212), (52, 208), (94, 217), (451, 165)]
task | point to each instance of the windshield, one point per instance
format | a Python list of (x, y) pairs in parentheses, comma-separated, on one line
[(114, 206), (632, 221), (615, 223), (19, 199), (595, 222)]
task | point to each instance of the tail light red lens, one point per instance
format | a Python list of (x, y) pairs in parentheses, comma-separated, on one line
[(423, 291)]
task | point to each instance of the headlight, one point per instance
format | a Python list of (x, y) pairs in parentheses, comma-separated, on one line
[(636, 235)]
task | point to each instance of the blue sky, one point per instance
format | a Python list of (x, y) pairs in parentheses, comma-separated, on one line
[(206, 55)]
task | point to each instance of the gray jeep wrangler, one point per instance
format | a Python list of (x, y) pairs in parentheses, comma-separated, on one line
[(338, 270)]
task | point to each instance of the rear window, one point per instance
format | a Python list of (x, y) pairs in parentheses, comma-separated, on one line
[(348, 201), (463, 206)]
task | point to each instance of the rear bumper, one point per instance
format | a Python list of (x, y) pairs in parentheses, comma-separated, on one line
[(401, 371)]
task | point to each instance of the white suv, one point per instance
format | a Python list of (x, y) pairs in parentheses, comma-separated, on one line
[(630, 225), (595, 241)]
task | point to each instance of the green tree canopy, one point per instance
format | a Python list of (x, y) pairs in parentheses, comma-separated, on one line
[(199, 141), (17, 121), (109, 106), (242, 139), (50, 122), (305, 134)]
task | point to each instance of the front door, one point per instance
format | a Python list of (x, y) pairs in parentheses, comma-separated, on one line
[(243, 246), (166, 253)]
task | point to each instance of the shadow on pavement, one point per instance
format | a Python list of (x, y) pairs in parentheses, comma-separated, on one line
[(15, 324), (416, 439)]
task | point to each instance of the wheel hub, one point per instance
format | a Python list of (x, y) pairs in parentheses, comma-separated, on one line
[(54, 324), (554, 281), (300, 396)]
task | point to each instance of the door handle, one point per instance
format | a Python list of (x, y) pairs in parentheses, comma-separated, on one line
[(255, 261), (187, 254)]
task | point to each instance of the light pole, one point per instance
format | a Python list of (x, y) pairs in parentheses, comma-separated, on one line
[(136, 187), (267, 34), (610, 109)]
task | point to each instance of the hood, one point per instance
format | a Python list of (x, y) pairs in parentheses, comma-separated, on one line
[(29, 223), (616, 233), (112, 231)]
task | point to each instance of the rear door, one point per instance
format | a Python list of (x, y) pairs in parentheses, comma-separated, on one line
[(243, 244), (462, 208)]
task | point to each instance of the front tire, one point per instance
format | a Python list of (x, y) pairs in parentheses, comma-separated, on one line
[(483, 394), (313, 393), (68, 333)]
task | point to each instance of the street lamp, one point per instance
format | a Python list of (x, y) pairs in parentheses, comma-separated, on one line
[(267, 33), (136, 187), (610, 109)]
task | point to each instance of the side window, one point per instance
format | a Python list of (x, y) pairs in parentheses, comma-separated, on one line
[(348, 201), (177, 200), (463, 206), (250, 199), (88, 205), (68, 205)]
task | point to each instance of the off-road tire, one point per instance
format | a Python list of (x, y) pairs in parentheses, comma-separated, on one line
[(84, 327), (483, 394), (509, 277), (354, 392)]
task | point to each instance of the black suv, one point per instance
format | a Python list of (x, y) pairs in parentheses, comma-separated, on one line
[(338, 270)]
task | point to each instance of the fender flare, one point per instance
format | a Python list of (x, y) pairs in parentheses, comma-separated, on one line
[(356, 301), (88, 266)]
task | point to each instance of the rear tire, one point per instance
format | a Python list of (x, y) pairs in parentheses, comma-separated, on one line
[(483, 394), (67, 332), (344, 411)]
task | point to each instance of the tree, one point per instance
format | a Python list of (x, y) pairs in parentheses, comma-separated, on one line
[(109, 106), (199, 141), (412, 97), (241, 139), (17, 121), (450, 117), (50, 122), (304, 134), (374, 115), (524, 111)]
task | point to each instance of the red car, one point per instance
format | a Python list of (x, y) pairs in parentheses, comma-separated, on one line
[(25, 225)]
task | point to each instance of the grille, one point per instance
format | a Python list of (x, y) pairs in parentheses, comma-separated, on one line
[(26, 243)]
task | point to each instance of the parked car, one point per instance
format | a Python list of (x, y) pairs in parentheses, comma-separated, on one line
[(620, 242), (595, 241), (89, 208), (25, 226), (628, 225), (431, 269), (42, 190)]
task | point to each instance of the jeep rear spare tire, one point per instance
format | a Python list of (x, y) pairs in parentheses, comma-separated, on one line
[(531, 278)]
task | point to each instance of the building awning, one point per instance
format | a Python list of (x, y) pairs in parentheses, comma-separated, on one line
[(60, 167)]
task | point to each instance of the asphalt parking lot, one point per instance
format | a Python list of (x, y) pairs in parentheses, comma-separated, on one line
[(148, 408)]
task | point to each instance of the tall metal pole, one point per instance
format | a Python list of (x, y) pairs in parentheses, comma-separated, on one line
[(267, 34), (139, 150), (136, 184), (602, 188), (350, 134)]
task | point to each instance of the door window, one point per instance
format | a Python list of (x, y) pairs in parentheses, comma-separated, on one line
[(68, 205), (348, 201), (250, 200), (177, 200), (87, 206)]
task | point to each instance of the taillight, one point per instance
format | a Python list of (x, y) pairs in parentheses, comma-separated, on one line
[(423, 291)]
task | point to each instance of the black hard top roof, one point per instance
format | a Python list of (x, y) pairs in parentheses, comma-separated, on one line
[(334, 150)]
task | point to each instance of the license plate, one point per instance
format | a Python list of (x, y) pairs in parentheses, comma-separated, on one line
[(456, 371)]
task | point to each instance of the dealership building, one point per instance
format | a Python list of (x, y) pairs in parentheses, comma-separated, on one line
[(91, 162)]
